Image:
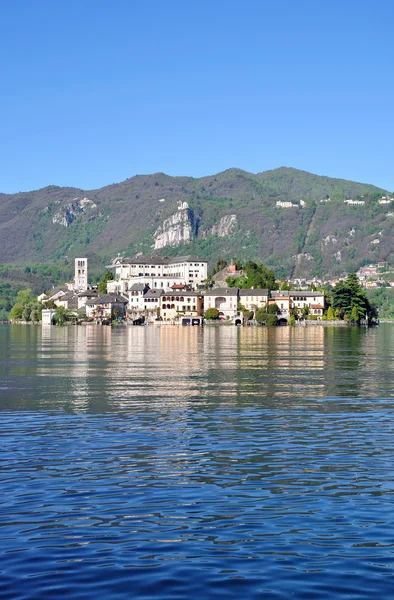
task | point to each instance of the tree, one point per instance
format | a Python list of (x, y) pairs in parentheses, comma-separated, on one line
[(330, 314), (25, 297), (349, 294), (273, 309), (61, 315), (26, 313), (220, 264), (265, 317), (354, 316), (261, 315), (256, 276), (34, 315), (15, 313), (211, 314), (102, 286)]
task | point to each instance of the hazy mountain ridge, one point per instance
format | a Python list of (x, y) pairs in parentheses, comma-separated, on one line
[(327, 238)]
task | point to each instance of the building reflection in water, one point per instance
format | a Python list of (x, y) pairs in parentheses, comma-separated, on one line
[(106, 369)]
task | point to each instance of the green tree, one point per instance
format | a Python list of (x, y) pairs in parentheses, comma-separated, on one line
[(102, 285), (256, 276), (16, 312), (273, 309), (211, 314), (330, 314), (349, 294), (35, 315), (26, 313), (354, 316), (61, 315), (271, 321), (25, 297), (261, 315)]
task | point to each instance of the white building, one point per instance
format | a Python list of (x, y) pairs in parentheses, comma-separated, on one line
[(81, 274), (157, 271), (355, 202), (285, 204), (224, 299)]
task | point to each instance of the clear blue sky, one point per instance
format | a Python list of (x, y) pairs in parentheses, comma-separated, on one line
[(93, 92)]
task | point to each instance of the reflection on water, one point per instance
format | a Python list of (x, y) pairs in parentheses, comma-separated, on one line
[(176, 462), (102, 368)]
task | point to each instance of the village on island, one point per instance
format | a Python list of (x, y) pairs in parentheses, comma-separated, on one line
[(172, 290)]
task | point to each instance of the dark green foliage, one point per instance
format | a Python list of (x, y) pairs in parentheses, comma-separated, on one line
[(265, 318), (349, 300), (256, 276), (26, 308), (61, 315), (212, 314), (16, 312), (102, 286), (384, 299), (7, 299), (273, 309)]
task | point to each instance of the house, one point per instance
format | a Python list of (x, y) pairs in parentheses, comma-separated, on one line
[(68, 301), (83, 297), (302, 299), (56, 293), (151, 303), (106, 307), (185, 303), (287, 300), (224, 299), (282, 204), (136, 298), (253, 299), (281, 299), (354, 202)]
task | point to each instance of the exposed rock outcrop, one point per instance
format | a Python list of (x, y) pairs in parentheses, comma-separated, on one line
[(181, 227), (68, 213), (225, 227)]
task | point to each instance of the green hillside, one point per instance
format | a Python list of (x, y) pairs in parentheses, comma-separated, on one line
[(233, 213)]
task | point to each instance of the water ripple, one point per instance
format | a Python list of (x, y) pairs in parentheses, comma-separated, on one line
[(179, 462)]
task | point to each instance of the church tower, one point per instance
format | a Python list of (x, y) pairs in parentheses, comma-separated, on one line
[(81, 274)]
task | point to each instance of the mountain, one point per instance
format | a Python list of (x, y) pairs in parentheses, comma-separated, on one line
[(231, 214)]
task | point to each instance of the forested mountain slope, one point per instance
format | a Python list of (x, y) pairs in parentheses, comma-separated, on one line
[(233, 213)]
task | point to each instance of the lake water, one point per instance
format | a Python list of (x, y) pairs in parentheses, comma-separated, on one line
[(196, 463)]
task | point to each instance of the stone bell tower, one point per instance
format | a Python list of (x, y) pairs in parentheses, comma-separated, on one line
[(81, 274)]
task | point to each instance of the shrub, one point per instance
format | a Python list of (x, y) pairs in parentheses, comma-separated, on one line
[(271, 321), (211, 314)]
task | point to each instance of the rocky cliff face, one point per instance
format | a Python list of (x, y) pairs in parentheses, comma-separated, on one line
[(225, 227), (68, 213), (180, 228)]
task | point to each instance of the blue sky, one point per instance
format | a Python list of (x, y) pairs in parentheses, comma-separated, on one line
[(93, 92)]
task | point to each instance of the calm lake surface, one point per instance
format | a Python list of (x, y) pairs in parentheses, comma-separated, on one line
[(181, 462)]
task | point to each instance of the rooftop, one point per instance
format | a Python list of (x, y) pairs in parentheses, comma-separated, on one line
[(222, 292), (252, 292), (159, 260), (107, 299)]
